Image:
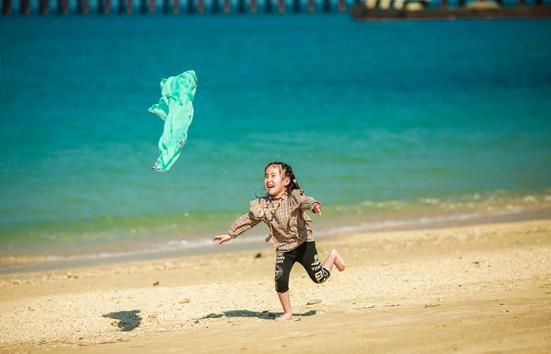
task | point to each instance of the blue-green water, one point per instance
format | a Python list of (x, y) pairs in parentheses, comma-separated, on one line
[(380, 121)]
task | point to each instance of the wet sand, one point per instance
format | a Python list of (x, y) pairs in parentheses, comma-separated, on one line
[(475, 288)]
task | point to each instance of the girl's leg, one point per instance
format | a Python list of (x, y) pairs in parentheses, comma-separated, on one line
[(283, 265), (285, 300), (334, 258), (317, 271), (309, 259)]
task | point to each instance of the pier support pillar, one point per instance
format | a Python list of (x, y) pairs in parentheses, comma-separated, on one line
[(44, 7), (254, 6), (200, 6), (215, 6), (62, 7), (281, 6), (522, 2), (125, 7), (25, 7), (227, 6), (83, 7), (241, 6), (311, 5), (443, 4), (269, 7), (171, 6), (6, 7), (342, 5), (461, 2), (104, 7)]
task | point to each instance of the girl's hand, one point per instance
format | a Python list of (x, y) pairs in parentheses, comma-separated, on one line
[(220, 239), (316, 208)]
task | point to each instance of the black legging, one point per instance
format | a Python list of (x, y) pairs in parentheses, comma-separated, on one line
[(306, 255)]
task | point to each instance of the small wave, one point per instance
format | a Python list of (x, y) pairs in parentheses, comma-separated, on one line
[(395, 223), (423, 221)]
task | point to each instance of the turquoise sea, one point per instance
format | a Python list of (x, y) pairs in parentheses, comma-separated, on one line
[(387, 123)]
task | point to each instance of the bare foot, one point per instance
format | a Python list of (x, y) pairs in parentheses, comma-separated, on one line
[(339, 262), (285, 317)]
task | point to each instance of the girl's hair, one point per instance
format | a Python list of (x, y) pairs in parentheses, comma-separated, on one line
[(288, 170)]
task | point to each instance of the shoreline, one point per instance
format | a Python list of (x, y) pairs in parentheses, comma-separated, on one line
[(247, 242), (476, 288)]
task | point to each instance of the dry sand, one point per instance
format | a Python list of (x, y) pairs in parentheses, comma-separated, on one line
[(481, 288)]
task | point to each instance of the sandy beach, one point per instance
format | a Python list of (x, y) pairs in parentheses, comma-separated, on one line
[(477, 288)]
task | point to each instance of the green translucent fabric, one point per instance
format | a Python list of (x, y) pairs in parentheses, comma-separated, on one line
[(176, 109)]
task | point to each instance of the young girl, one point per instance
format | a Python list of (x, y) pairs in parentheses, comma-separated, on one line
[(283, 209)]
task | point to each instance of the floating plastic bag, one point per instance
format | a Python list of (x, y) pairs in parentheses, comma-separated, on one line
[(176, 109)]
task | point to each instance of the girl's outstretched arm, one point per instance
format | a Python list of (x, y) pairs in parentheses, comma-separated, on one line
[(242, 224), (306, 202), (220, 239)]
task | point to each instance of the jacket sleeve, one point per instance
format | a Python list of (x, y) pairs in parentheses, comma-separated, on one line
[(303, 201), (246, 221)]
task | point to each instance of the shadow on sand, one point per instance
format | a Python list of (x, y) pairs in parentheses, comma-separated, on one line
[(265, 315), (128, 320)]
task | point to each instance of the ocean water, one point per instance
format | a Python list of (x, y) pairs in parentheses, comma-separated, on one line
[(384, 122)]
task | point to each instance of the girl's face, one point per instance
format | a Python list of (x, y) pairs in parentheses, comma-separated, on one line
[(275, 181)]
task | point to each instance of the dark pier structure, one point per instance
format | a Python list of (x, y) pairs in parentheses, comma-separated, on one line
[(105, 7), (359, 9)]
